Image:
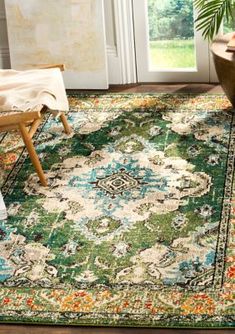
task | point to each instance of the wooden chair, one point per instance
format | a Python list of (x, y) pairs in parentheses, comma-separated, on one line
[(27, 124)]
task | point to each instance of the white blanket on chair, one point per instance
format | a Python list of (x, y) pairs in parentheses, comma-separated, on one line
[(26, 90), (3, 211)]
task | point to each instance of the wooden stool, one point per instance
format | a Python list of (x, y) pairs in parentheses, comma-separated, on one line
[(27, 124)]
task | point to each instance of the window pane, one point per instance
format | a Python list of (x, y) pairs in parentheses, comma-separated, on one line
[(171, 34)]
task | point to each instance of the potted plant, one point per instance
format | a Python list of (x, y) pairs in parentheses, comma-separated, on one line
[(211, 15)]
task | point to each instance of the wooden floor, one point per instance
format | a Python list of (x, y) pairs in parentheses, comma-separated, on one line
[(24, 329), (168, 88), (20, 329)]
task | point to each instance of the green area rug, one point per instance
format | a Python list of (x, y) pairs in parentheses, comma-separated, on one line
[(136, 227)]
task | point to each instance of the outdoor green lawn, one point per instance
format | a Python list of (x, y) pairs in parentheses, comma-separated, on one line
[(172, 54)]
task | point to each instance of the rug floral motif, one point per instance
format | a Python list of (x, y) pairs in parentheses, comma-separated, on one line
[(136, 226)]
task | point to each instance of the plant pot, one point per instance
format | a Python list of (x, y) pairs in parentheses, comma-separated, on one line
[(225, 65)]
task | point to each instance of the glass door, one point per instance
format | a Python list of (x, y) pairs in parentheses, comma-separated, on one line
[(168, 48)]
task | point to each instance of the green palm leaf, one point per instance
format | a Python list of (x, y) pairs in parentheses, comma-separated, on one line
[(211, 14)]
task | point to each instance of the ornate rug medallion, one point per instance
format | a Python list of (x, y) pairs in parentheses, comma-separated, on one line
[(136, 227), (117, 183)]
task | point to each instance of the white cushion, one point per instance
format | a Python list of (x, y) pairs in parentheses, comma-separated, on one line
[(27, 90)]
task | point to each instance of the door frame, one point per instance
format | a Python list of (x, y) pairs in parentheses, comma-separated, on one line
[(165, 75)]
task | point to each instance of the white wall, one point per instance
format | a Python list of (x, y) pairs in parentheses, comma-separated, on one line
[(117, 50), (113, 64), (4, 48), (110, 37), (70, 32)]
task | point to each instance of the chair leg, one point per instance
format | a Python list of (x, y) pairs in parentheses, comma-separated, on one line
[(32, 153), (64, 120)]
